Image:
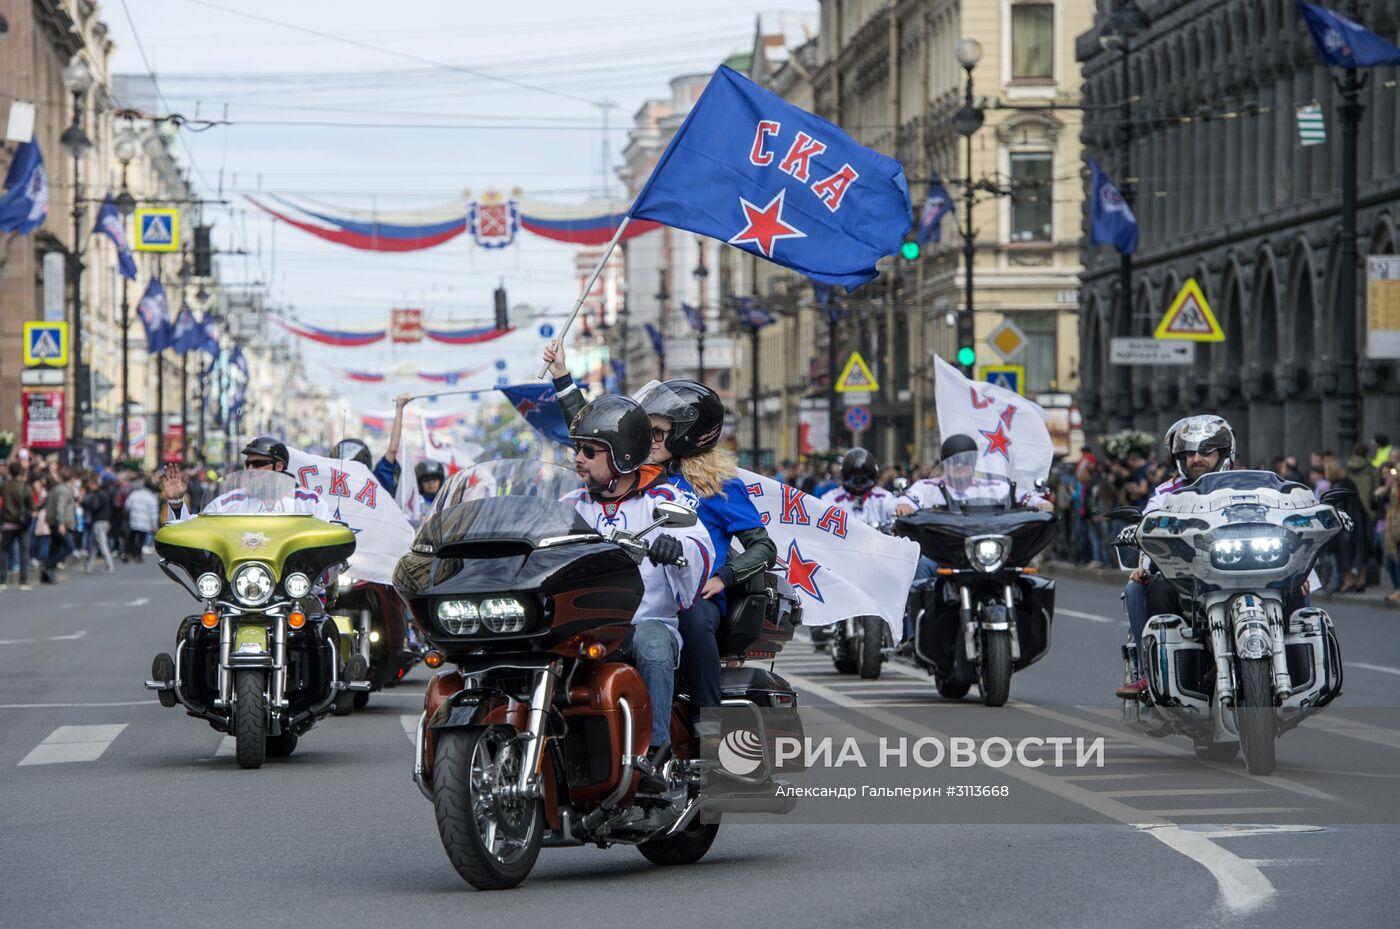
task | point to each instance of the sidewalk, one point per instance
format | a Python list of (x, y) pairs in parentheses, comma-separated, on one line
[(1373, 596)]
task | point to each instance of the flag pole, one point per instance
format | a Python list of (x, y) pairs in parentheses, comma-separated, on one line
[(451, 393), (588, 288)]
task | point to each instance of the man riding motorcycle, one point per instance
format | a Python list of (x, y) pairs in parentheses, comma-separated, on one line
[(263, 452), (1198, 445), (612, 439), (859, 493), (353, 450)]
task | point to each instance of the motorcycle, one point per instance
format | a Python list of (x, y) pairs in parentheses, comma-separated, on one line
[(1245, 658), (261, 660), (987, 612), (374, 620), (535, 733)]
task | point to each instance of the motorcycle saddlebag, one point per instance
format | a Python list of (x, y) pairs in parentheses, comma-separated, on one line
[(1175, 662), (1314, 658), (757, 700), (1035, 611)]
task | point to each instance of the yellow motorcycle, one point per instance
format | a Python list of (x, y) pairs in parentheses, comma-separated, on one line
[(262, 660)]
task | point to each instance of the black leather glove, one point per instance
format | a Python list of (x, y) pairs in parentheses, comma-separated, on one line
[(666, 549)]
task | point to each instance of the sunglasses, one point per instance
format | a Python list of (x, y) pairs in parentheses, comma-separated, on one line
[(259, 463), (658, 434), (588, 451)]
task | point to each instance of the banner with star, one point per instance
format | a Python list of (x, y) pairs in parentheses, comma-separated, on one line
[(1010, 430), (382, 532), (839, 566)]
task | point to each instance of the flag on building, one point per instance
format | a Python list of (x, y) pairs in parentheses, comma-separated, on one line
[(936, 206), (753, 316), (186, 335), (154, 311), (1111, 220), (209, 334), (1010, 431), (25, 203), (109, 223), (658, 342), (748, 168), (1344, 43), (694, 317)]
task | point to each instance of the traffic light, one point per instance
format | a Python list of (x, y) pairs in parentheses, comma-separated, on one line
[(203, 253), (502, 314), (967, 352), (909, 251)]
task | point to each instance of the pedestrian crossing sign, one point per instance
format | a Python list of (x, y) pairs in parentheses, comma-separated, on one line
[(45, 343), (1011, 377), (157, 230), (1189, 317), (856, 378)]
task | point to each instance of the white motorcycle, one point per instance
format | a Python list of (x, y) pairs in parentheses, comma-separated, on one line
[(1243, 659)]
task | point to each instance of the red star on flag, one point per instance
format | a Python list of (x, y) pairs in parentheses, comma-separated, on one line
[(526, 406), (998, 442), (800, 572), (765, 226)]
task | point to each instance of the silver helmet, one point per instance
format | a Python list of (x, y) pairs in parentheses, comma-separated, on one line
[(1203, 433)]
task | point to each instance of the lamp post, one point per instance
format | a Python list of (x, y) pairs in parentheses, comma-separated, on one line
[(662, 295), (1127, 22), (78, 80), (700, 273), (966, 121), (125, 149), (1351, 111)]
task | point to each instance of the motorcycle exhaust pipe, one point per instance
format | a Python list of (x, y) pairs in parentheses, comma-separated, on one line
[(1224, 677)]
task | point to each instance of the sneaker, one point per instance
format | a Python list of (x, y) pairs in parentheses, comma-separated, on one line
[(1133, 691), (4, 586), (26, 586)]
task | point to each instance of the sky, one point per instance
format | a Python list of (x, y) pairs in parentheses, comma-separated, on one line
[(357, 104)]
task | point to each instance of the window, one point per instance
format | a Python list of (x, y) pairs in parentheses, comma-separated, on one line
[(1033, 41), (1031, 190)]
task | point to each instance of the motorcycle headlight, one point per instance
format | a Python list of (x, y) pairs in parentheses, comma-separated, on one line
[(253, 584), (987, 552), (459, 617), (298, 585), (1256, 551), (503, 614), (209, 585)]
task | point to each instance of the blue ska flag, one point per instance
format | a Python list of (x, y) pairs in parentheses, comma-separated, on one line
[(538, 404), (26, 201), (752, 315), (1346, 44), (109, 223), (186, 335), (154, 311), (658, 342), (209, 335), (748, 168), (1112, 222), (936, 206), (692, 315)]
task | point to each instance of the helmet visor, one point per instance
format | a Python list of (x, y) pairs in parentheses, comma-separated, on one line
[(660, 400)]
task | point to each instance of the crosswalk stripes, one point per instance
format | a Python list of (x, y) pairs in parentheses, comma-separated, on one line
[(228, 747), (410, 725), (73, 743)]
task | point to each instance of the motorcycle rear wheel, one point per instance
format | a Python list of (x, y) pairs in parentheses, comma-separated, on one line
[(843, 656), (872, 637), (1257, 725), (250, 718), (995, 678), (686, 847), (492, 843)]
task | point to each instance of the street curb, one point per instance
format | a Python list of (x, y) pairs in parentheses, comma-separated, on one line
[(1374, 596)]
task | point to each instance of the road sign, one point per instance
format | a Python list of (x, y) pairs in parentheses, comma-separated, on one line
[(1125, 350), (41, 377), (45, 343), (1012, 377), (43, 419), (858, 418), (546, 331), (157, 229), (1382, 306), (1189, 317), (856, 376), (1007, 340)]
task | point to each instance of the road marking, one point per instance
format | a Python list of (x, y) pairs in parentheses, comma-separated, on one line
[(228, 747), (1118, 777), (1374, 734), (410, 726), (74, 743), (1180, 792), (69, 706), (139, 601), (1242, 886), (1228, 811), (1230, 831), (1092, 617), (1370, 667), (71, 637)]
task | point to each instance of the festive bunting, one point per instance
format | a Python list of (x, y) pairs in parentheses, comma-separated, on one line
[(342, 338), (471, 336)]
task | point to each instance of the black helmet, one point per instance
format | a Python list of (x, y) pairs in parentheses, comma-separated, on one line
[(268, 447), (429, 470), (352, 450), (956, 445), (619, 423), (859, 471), (695, 411)]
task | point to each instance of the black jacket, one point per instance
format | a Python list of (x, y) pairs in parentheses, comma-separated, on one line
[(97, 504)]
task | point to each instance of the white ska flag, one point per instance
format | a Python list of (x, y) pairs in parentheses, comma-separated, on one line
[(1010, 430), (382, 532), (839, 566)]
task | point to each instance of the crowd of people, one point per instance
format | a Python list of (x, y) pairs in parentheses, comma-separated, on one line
[(54, 516)]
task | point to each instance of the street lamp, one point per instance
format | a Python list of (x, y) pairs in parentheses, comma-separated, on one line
[(1126, 23), (966, 121), (700, 273), (78, 80), (662, 295), (125, 148)]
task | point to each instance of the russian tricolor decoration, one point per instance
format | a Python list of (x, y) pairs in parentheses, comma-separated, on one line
[(470, 336), (339, 337)]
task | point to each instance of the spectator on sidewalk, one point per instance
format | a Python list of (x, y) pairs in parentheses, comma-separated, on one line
[(61, 515), (142, 516), (16, 513), (97, 507)]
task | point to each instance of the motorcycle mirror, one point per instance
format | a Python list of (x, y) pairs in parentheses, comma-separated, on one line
[(1337, 496), (1128, 513), (1129, 558), (901, 484), (675, 515)]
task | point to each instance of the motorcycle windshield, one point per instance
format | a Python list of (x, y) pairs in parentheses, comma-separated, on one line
[(973, 482), (507, 499), (257, 492)]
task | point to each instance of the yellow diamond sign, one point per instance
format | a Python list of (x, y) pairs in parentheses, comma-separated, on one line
[(1007, 340)]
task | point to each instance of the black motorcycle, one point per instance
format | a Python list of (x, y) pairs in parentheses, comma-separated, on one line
[(985, 613)]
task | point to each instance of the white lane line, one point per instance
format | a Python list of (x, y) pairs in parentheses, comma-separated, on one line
[(1235, 830), (1374, 734), (74, 743), (139, 601), (1242, 886), (68, 706), (72, 636), (1227, 811), (228, 747), (1119, 777), (1091, 617), (1370, 667), (410, 725), (1180, 792)]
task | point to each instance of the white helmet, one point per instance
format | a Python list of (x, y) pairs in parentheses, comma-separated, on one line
[(1203, 433)]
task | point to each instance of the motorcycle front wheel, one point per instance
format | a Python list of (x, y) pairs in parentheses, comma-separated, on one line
[(868, 648), (250, 718), (995, 678), (491, 838), (1254, 715)]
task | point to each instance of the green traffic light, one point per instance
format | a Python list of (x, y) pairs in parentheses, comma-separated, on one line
[(909, 251), (966, 356)]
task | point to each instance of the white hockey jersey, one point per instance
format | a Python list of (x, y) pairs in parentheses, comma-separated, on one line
[(874, 509)]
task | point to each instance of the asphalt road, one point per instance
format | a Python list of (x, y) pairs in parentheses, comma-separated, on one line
[(140, 819)]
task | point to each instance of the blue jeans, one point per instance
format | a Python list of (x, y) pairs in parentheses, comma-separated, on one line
[(926, 569), (1135, 600), (656, 652)]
